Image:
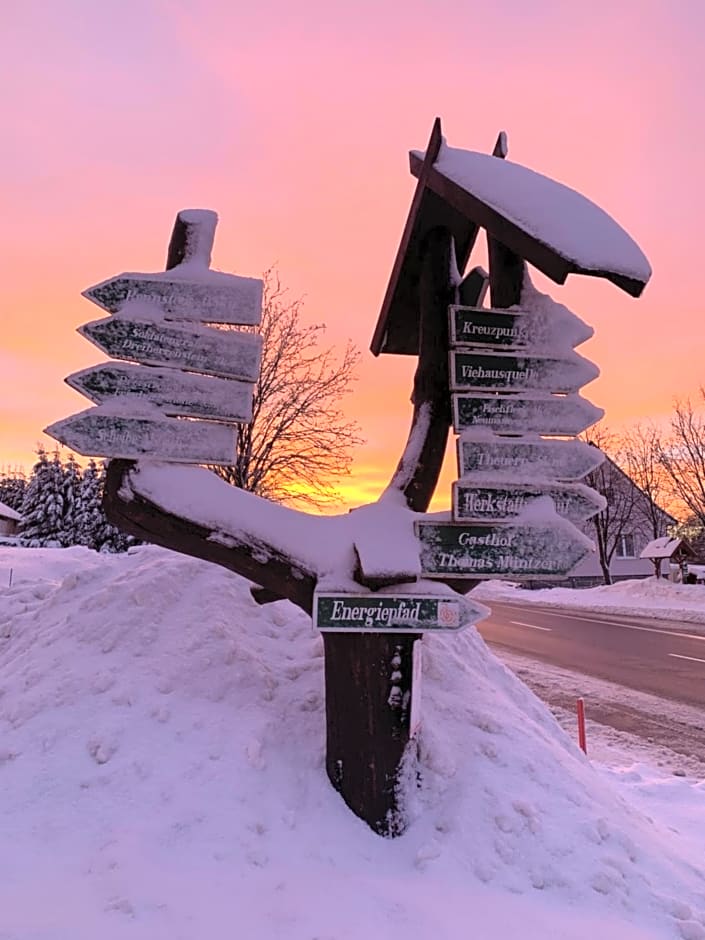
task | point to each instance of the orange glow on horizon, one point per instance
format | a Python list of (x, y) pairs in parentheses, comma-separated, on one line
[(295, 125)]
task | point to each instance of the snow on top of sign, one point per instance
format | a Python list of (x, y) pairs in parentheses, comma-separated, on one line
[(164, 737), (549, 211), (324, 544), (547, 314)]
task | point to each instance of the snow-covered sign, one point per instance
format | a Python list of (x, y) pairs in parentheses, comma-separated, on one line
[(394, 613), (479, 326), (505, 372), (518, 550), (173, 392), (198, 348), (476, 498), (529, 413), (211, 297), (104, 432), (526, 458)]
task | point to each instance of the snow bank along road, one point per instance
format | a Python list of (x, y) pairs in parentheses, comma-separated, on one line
[(660, 658)]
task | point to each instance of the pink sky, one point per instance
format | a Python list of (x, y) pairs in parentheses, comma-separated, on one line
[(294, 122)]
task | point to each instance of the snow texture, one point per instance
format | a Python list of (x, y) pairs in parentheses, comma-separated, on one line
[(551, 212), (161, 763)]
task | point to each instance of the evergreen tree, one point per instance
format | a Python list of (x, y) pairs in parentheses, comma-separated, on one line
[(42, 506), (89, 517), (71, 505), (12, 489)]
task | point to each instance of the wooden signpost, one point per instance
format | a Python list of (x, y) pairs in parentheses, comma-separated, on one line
[(186, 394), (530, 413), (527, 457), (531, 551), (393, 613), (202, 374), (219, 299), (474, 498), (479, 326), (197, 348), (511, 506), (111, 434), (503, 372)]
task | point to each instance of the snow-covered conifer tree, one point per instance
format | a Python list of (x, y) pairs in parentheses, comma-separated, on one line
[(42, 506), (90, 519), (71, 507)]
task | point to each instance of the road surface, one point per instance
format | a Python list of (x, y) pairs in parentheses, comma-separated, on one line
[(662, 662)]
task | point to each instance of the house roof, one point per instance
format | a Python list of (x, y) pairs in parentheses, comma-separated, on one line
[(666, 547), (7, 513)]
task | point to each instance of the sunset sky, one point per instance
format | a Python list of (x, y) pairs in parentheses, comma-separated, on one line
[(293, 122)]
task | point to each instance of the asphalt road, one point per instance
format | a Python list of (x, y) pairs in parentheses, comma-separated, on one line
[(667, 660)]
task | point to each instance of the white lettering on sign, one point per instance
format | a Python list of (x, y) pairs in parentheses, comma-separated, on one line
[(493, 332), (510, 375), (494, 538), (404, 611)]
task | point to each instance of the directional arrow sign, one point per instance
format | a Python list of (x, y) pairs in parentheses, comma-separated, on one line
[(526, 458), (173, 392), (524, 414), (228, 353), (394, 613), (99, 433), (501, 550), (216, 298), (477, 500), (478, 326), (506, 372)]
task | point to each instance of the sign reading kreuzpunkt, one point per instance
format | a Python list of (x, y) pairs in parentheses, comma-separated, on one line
[(393, 613)]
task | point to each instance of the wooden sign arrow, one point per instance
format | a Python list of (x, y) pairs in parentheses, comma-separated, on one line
[(173, 392), (214, 298), (524, 414), (515, 551), (475, 499), (480, 326), (394, 613), (229, 353), (526, 458), (505, 372), (103, 433)]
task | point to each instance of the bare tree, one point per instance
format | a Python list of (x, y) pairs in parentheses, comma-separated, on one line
[(616, 519), (683, 457), (639, 454), (299, 440)]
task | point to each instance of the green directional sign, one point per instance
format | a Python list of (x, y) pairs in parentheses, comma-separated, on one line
[(526, 458), (229, 353), (100, 433), (217, 298), (524, 413), (172, 391), (476, 499), (515, 551), (505, 372), (393, 613), (480, 326)]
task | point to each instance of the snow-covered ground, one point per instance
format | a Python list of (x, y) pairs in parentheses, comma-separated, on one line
[(162, 776), (649, 597)]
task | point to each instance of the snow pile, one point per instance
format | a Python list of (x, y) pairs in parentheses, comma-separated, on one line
[(651, 597), (161, 765)]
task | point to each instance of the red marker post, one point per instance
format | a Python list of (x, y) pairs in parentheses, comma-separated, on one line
[(581, 726)]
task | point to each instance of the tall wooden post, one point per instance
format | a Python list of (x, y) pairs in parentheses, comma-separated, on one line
[(370, 677)]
